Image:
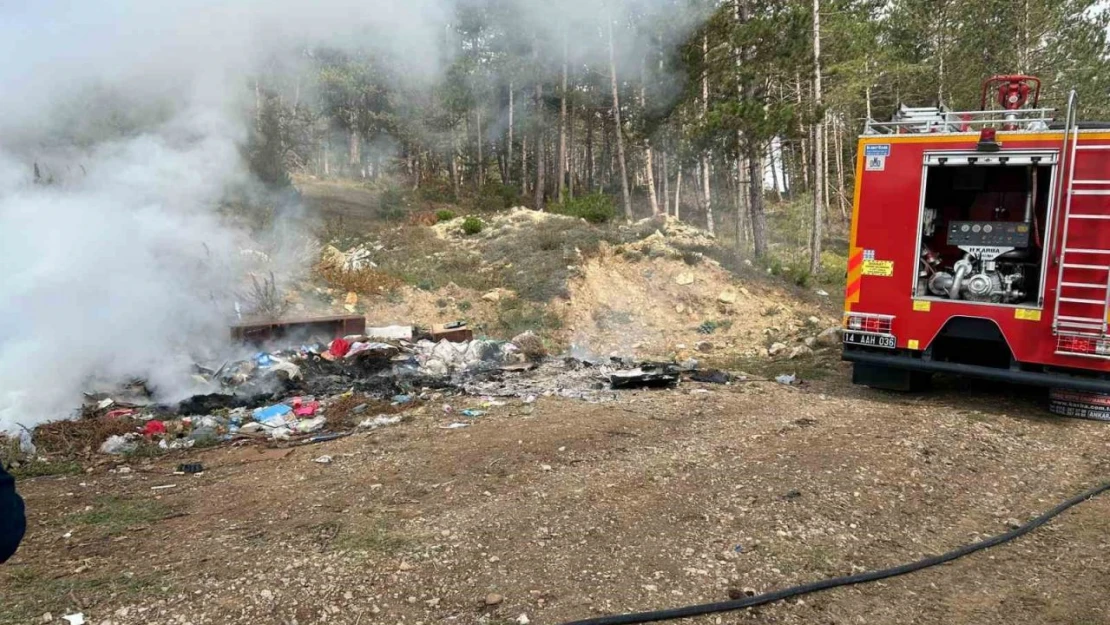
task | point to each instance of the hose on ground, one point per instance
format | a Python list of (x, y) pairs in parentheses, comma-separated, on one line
[(849, 580)]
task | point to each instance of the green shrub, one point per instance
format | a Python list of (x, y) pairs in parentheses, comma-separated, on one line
[(444, 215), (391, 203), (596, 208), (472, 225)]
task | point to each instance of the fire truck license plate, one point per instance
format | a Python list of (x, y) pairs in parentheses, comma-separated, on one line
[(870, 340)]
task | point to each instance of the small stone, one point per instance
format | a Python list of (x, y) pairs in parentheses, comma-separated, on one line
[(523, 619), (703, 346), (776, 349), (727, 556), (411, 599), (651, 587), (1013, 523), (728, 296), (800, 350), (405, 566), (266, 594), (433, 602), (744, 291), (545, 467), (352, 298), (684, 279), (494, 599), (680, 308), (348, 595), (47, 618), (813, 321), (810, 341), (492, 296), (494, 559), (830, 337)]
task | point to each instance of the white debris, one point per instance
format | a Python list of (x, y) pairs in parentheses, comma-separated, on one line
[(322, 460), (379, 421)]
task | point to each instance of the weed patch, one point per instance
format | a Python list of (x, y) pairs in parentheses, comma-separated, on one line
[(116, 514)]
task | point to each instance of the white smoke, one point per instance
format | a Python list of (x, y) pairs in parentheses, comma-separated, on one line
[(135, 113)]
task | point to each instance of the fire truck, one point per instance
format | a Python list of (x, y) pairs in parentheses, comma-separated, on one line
[(980, 246)]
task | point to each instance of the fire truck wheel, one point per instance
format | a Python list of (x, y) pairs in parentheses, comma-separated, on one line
[(889, 378), (1079, 404)]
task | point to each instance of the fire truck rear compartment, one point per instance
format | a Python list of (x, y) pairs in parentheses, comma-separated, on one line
[(982, 231)]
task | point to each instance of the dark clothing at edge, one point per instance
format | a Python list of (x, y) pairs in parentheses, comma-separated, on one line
[(13, 522)]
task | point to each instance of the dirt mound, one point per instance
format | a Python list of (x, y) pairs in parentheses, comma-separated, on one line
[(661, 306), (497, 225)]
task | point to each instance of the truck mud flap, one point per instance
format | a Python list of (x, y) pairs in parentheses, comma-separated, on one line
[(1048, 380)]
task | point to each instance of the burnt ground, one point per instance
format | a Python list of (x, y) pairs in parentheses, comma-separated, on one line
[(568, 510)]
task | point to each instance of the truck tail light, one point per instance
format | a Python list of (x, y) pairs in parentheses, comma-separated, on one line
[(863, 322), (1083, 346)]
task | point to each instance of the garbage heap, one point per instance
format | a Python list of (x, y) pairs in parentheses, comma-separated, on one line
[(288, 396)]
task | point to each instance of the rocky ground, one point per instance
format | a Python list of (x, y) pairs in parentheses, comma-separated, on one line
[(565, 509), (560, 509)]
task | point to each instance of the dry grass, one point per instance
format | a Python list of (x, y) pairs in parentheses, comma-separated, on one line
[(368, 281), (82, 436)]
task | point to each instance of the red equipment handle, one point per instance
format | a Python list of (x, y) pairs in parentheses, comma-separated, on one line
[(1013, 90)]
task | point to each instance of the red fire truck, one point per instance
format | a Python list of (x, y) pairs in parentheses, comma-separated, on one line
[(980, 246)]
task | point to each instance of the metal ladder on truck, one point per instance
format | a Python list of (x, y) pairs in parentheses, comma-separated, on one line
[(1075, 286)]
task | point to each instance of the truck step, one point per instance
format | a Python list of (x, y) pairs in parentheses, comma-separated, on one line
[(1080, 250), (1092, 147), (1090, 181), (1089, 216), (1078, 300), (1080, 266), (1089, 192)]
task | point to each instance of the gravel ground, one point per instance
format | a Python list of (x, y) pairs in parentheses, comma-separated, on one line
[(567, 509)]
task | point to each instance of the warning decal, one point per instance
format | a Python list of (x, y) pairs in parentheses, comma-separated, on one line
[(874, 156), (1026, 314), (922, 305), (881, 268)]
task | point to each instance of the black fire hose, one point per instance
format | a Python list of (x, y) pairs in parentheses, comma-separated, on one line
[(860, 578)]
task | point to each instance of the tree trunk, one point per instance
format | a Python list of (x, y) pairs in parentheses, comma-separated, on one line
[(678, 194), (666, 190), (570, 154), (561, 166), (455, 166), (839, 149), (741, 205), (618, 128), (804, 141), (509, 148), (649, 165), (538, 197), (354, 158), (481, 162), (590, 153), (817, 225), (706, 196), (755, 202)]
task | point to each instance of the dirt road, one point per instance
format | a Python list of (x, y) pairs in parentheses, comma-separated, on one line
[(566, 510)]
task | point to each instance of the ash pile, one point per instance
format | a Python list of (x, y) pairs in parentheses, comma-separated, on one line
[(320, 390)]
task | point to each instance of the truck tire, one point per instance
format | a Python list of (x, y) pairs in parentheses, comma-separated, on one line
[(890, 378)]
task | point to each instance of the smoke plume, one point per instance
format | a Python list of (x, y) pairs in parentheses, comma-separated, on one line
[(121, 130)]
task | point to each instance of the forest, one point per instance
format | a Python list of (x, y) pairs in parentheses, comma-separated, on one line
[(714, 113)]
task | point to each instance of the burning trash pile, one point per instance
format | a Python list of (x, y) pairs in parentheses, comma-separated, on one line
[(304, 394)]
